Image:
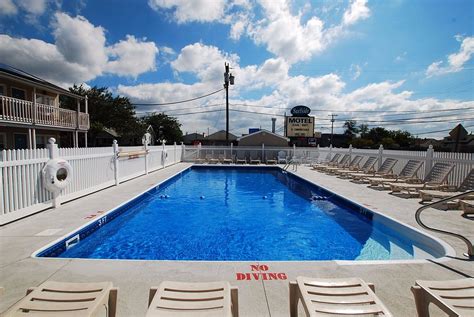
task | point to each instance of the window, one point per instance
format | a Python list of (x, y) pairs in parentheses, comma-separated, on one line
[(45, 99), (42, 140), (18, 93), (3, 90)]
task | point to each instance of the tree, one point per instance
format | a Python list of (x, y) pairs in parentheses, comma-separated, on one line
[(377, 134), (363, 130), (350, 128), (107, 111), (165, 127)]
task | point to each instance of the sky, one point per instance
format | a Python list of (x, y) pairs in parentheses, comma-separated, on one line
[(399, 64)]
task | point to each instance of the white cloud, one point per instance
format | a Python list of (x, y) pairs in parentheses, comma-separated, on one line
[(80, 42), (7, 7), (283, 91), (192, 11), (34, 7), (167, 50), (356, 71), (455, 62), (79, 53), (133, 57), (294, 37), (206, 62), (358, 10)]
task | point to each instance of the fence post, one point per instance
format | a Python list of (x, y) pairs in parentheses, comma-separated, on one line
[(53, 154), (429, 159), (231, 151), (330, 151), (115, 149), (145, 145), (294, 150), (199, 150), (174, 154), (263, 152), (163, 154), (380, 156), (183, 149)]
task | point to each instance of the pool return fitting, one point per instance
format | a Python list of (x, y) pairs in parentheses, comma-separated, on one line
[(470, 250)]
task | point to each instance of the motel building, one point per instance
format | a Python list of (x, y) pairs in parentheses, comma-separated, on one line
[(31, 113)]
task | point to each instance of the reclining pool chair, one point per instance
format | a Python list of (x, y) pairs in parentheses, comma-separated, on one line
[(66, 299), (193, 299), (344, 162), (335, 297), (385, 170), (367, 167), (408, 172), (436, 179), (331, 162), (467, 184), (467, 206), (352, 165), (455, 297)]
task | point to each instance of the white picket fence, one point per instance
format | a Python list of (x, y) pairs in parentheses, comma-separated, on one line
[(463, 162), (22, 191)]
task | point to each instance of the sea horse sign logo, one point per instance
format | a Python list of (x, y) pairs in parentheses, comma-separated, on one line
[(300, 111)]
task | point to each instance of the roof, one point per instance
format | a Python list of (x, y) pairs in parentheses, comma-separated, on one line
[(18, 74), (263, 131), (220, 136)]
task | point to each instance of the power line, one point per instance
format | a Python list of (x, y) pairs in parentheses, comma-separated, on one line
[(445, 130), (176, 102)]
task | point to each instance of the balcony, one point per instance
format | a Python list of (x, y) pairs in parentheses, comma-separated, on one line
[(25, 112)]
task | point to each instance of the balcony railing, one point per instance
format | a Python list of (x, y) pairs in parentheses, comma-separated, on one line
[(22, 111)]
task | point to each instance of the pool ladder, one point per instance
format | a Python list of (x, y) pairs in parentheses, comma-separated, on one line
[(293, 163), (470, 249)]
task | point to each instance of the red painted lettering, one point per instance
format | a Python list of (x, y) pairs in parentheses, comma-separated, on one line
[(254, 267), (264, 267), (282, 276), (255, 276), (264, 275), (248, 276), (240, 276), (273, 276)]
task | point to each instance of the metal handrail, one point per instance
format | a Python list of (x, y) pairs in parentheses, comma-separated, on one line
[(470, 248)]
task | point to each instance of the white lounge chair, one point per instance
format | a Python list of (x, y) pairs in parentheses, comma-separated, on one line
[(384, 170), (331, 162), (353, 164), (282, 157), (467, 184), (67, 299), (408, 172), (454, 297), (175, 299), (344, 162), (335, 297), (436, 179), (367, 167)]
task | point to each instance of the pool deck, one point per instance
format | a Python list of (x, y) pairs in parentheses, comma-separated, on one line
[(18, 240)]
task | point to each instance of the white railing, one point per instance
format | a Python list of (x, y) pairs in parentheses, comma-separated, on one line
[(21, 185), (463, 162), (22, 111)]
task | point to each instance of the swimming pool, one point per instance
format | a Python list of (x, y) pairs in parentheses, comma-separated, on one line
[(219, 213)]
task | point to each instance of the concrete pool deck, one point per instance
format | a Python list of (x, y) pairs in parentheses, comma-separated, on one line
[(18, 240)]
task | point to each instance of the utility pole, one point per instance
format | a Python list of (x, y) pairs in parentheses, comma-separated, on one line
[(228, 79), (332, 126)]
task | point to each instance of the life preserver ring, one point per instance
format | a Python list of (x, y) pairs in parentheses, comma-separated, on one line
[(57, 174)]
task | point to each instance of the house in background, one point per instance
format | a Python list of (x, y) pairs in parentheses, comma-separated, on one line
[(193, 138), (30, 113), (263, 137), (219, 138)]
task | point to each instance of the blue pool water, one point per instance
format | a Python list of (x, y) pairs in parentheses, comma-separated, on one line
[(241, 214)]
